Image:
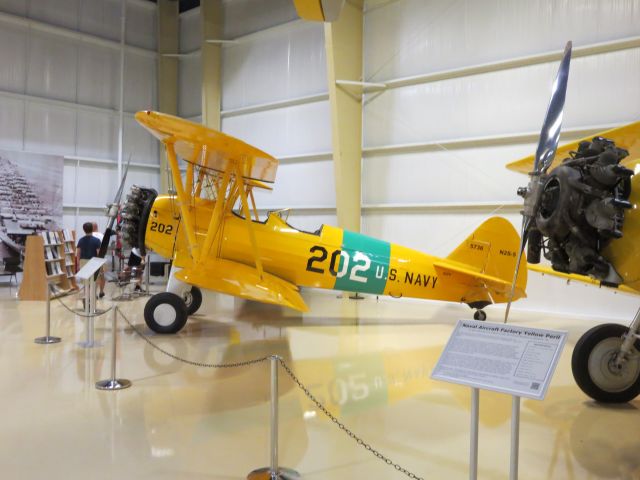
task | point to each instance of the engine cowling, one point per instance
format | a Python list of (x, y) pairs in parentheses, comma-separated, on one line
[(135, 215), (581, 210)]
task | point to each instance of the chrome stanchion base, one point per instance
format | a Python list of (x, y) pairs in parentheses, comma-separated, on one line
[(47, 340), (113, 384), (266, 474)]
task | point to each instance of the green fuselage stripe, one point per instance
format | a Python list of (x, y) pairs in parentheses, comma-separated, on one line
[(364, 264)]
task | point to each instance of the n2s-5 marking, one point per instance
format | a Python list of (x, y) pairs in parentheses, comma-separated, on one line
[(161, 228), (337, 268)]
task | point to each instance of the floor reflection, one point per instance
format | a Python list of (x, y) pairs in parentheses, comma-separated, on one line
[(369, 362)]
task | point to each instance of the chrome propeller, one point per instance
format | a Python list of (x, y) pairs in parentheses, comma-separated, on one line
[(545, 153)]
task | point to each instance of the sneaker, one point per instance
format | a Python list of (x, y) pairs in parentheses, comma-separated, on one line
[(137, 288), (101, 295)]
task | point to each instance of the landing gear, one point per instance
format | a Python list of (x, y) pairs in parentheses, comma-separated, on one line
[(192, 299), (165, 313), (606, 363), (480, 315)]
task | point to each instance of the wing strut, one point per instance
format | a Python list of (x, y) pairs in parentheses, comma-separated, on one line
[(247, 216), (216, 216), (253, 204), (183, 199)]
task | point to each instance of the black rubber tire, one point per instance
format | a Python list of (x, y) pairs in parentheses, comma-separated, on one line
[(589, 364), (480, 315), (193, 300), (176, 319)]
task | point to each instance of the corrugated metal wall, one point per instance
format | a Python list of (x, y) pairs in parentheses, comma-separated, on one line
[(59, 92)]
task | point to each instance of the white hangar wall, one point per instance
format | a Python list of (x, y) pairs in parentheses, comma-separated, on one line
[(436, 145), (59, 93), (274, 96)]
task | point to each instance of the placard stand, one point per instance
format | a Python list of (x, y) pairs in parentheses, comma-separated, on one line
[(515, 360), (87, 274), (515, 435), (473, 446)]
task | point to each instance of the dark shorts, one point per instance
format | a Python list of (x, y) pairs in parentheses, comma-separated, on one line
[(134, 260)]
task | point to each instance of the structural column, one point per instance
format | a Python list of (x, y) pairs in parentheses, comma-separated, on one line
[(343, 44), (211, 57), (168, 48)]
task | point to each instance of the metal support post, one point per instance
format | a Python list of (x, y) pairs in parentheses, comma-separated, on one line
[(147, 273), (274, 472), (92, 296), (90, 312), (113, 383), (473, 447), (48, 338), (515, 437), (87, 295)]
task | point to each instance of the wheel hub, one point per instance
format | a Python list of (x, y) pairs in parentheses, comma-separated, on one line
[(187, 297), (606, 372), (164, 315)]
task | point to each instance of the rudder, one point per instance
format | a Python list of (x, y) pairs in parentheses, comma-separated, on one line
[(492, 249)]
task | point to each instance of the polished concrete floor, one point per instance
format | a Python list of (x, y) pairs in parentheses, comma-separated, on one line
[(368, 361)]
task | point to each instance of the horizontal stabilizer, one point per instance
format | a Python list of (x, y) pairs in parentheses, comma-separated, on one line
[(243, 281), (497, 287)]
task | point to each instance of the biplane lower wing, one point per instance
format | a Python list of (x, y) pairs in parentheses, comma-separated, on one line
[(546, 270), (243, 281)]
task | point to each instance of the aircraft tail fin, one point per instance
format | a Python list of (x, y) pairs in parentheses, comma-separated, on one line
[(491, 251)]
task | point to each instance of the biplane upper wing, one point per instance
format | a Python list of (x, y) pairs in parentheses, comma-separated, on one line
[(319, 10), (208, 148), (243, 281), (627, 137)]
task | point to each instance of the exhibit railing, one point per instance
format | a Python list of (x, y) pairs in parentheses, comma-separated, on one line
[(274, 470)]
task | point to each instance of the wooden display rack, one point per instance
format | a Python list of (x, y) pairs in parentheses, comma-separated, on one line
[(49, 260)]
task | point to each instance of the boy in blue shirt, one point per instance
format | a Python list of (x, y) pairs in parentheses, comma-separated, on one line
[(88, 245)]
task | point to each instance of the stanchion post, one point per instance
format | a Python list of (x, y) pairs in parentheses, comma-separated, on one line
[(113, 383), (473, 445), (90, 314), (48, 338), (515, 437), (274, 415), (274, 472)]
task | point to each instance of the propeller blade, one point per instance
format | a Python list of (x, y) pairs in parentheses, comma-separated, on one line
[(113, 213), (546, 151), (550, 133), (524, 234)]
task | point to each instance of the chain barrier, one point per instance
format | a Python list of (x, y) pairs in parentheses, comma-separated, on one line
[(75, 312), (296, 380), (344, 428), (190, 362)]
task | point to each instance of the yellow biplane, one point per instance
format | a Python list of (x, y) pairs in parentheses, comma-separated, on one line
[(588, 225), (579, 200), (211, 229)]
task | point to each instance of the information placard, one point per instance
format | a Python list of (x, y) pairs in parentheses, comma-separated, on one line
[(504, 358), (91, 267)]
